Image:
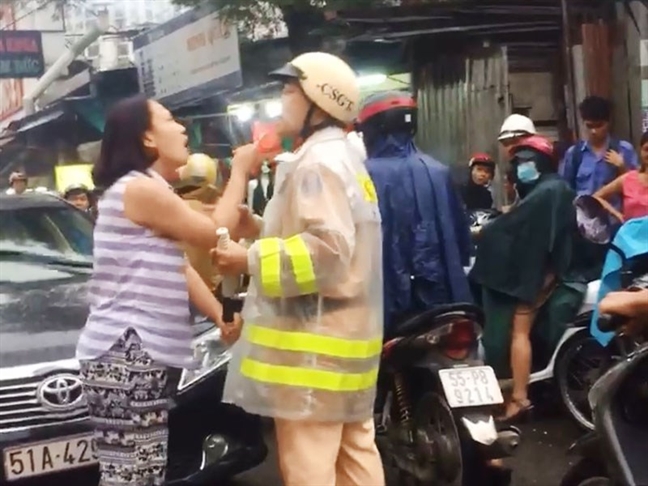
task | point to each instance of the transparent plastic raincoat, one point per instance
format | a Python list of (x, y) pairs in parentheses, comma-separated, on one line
[(312, 337)]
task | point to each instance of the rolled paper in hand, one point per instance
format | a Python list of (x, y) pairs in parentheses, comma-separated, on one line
[(230, 284)]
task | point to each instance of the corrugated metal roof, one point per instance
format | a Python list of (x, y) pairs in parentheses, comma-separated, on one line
[(467, 16)]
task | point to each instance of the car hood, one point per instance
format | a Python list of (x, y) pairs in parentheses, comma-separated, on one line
[(42, 311)]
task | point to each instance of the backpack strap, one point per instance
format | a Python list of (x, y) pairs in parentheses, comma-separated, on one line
[(576, 161)]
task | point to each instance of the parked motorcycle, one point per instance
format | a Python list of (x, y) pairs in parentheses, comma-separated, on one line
[(615, 453), (583, 360), (577, 360), (436, 400)]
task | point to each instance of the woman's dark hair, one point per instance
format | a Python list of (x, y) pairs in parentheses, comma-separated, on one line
[(122, 146)]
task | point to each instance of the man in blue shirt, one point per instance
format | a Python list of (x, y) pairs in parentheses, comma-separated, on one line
[(593, 163)]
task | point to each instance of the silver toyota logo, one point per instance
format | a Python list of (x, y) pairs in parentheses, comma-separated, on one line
[(61, 392)]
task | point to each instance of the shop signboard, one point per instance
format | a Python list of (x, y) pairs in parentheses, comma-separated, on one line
[(188, 58), (21, 54)]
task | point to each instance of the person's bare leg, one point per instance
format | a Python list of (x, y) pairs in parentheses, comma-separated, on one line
[(520, 361)]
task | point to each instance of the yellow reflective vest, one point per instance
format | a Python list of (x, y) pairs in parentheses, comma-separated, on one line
[(312, 337)]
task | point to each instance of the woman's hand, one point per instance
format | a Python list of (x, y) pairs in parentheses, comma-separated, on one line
[(247, 159), (231, 261), (608, 207)]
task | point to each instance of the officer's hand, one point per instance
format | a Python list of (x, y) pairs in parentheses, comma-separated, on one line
[(231, 331), (230, 261), (249, 225), (248, 159)]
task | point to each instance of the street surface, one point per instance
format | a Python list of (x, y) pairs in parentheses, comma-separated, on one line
[(541, 459)]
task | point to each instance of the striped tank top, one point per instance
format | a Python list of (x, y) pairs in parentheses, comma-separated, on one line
[(138, 282)]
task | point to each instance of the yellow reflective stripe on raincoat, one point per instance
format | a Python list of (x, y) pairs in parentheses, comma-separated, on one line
[(307, 377), (302, 264), (270, 266), (312, 343)]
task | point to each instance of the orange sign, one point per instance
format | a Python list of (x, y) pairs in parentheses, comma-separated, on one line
[(11, 90)]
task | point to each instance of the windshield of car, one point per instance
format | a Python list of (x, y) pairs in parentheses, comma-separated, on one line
[(50, 234)]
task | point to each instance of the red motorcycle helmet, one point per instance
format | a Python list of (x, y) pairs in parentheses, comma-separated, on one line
[(535, 143), (388, 112), (481, 158), (537, 149)]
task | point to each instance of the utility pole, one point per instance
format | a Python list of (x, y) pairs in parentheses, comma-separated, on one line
[(569, 69)]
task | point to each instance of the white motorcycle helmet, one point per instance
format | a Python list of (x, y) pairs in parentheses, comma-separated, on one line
[(516, 126), (327, 81)]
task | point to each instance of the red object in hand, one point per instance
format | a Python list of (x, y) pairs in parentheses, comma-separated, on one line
[(266, 138)]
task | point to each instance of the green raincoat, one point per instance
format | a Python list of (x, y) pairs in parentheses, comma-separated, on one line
[(514, 254)]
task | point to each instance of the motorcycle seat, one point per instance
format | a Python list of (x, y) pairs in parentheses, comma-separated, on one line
[(430, 318)]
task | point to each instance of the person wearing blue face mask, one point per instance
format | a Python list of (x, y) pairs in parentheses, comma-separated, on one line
[(526, 262)]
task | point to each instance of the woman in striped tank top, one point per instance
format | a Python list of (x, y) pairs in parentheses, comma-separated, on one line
[(138, 328)]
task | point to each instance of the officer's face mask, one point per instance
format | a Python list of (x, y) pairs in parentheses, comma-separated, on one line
[(527, 172), (295, 108)]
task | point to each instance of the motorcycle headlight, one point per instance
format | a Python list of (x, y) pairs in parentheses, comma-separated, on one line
[(211, 354)]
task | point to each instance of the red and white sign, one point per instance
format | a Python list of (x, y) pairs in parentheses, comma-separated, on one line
[(11, 90)]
